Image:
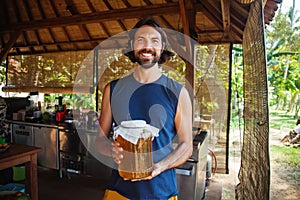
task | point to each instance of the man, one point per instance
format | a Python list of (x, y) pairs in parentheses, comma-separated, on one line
[(148, 95), (294, 135)]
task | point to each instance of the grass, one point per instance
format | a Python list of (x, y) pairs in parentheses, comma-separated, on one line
[(288, 158), (280, 118), (286, 155)]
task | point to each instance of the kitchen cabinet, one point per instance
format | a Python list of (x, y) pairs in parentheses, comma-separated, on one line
[(64, 147), (38, 136), (22, 134), (47, 139), (191, 176), (72, 152), (95, 164)]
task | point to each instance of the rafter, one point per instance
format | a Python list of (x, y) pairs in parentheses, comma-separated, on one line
[(117, 14), (213, 13), (225, 6), (46, 26), (9, 45)]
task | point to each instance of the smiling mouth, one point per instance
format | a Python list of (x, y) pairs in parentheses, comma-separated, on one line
[(147, 55)]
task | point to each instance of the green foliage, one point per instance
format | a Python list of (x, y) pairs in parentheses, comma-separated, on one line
[(73, 101), (46, 70), (283, 50), (237, 93), (3, 72)]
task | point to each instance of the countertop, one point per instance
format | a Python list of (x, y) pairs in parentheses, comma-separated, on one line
[(57, 125)]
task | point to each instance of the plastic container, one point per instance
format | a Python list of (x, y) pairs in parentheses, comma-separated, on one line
[(19, 173), (13, 187)]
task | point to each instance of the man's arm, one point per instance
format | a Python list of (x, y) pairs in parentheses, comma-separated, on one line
[(103, 145), (105, 119)]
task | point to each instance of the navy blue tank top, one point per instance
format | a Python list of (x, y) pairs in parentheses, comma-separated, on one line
[(156, 103)]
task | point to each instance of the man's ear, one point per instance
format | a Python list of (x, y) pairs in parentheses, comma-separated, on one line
[(162, 47), (131, 44)]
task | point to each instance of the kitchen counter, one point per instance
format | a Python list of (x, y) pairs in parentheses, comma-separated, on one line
[(56, 125), (67, 148)]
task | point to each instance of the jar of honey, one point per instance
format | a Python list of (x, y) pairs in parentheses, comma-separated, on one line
[(135, 137)]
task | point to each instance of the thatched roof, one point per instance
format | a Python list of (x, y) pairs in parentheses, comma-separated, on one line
[(34, 26)]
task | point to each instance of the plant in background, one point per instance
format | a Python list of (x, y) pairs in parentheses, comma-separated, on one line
[(283, 50), (3, 73)]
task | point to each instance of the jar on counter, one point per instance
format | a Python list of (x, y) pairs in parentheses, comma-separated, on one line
[(135, 137)]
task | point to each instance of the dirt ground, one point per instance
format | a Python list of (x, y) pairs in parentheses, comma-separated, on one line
[(281, 188)]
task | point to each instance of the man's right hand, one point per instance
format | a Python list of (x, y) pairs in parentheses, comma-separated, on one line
[(117, 152)]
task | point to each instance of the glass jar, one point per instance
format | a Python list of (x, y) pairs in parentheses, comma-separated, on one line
[(135, 137)]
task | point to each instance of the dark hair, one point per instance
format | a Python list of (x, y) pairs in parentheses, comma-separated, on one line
[(165, 55)]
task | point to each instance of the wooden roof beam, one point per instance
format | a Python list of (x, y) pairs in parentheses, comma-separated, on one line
[(56, 14), (28, 12), (3, 13), (82, 27), (119, 21), (9, 45), (117, 14), (185, 7), (225, 6), (98, 40), (213, 13), (91, 7)]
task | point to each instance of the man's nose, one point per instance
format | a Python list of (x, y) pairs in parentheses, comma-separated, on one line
[(148, 44)]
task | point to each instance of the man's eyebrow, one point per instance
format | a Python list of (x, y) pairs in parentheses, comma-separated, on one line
[(158, 38), (152, 38)]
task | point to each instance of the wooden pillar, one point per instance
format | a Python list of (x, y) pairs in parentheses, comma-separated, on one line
[(188, 20)]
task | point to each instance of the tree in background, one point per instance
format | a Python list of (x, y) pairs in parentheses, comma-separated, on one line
[(283, 51)]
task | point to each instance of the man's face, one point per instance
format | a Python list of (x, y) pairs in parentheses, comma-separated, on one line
[(147, 46)]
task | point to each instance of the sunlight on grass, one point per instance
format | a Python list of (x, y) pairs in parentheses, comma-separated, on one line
[(285, 155), (279, 118), (288, 158)]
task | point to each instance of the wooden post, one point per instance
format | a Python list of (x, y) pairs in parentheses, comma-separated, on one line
[(188, 19)]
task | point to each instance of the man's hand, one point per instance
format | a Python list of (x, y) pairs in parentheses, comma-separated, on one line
[(156, 170), (117, 152)]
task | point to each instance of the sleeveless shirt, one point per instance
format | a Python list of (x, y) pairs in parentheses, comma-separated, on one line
[(156, 103)]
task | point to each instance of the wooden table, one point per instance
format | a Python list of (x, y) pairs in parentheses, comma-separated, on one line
[(22, 154)]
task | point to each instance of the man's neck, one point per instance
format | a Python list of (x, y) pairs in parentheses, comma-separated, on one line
[(147, 75)]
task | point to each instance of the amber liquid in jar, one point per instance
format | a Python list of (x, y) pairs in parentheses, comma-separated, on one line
[(137, 161)]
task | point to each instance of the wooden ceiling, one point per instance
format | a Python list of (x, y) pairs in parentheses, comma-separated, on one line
[(42, 26)]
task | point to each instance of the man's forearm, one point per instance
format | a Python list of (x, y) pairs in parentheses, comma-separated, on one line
[(181, 153)]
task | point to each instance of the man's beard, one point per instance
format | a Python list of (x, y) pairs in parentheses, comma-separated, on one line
[(146, 63)]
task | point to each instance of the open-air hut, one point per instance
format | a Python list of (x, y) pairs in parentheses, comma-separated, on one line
[(52, 36)]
